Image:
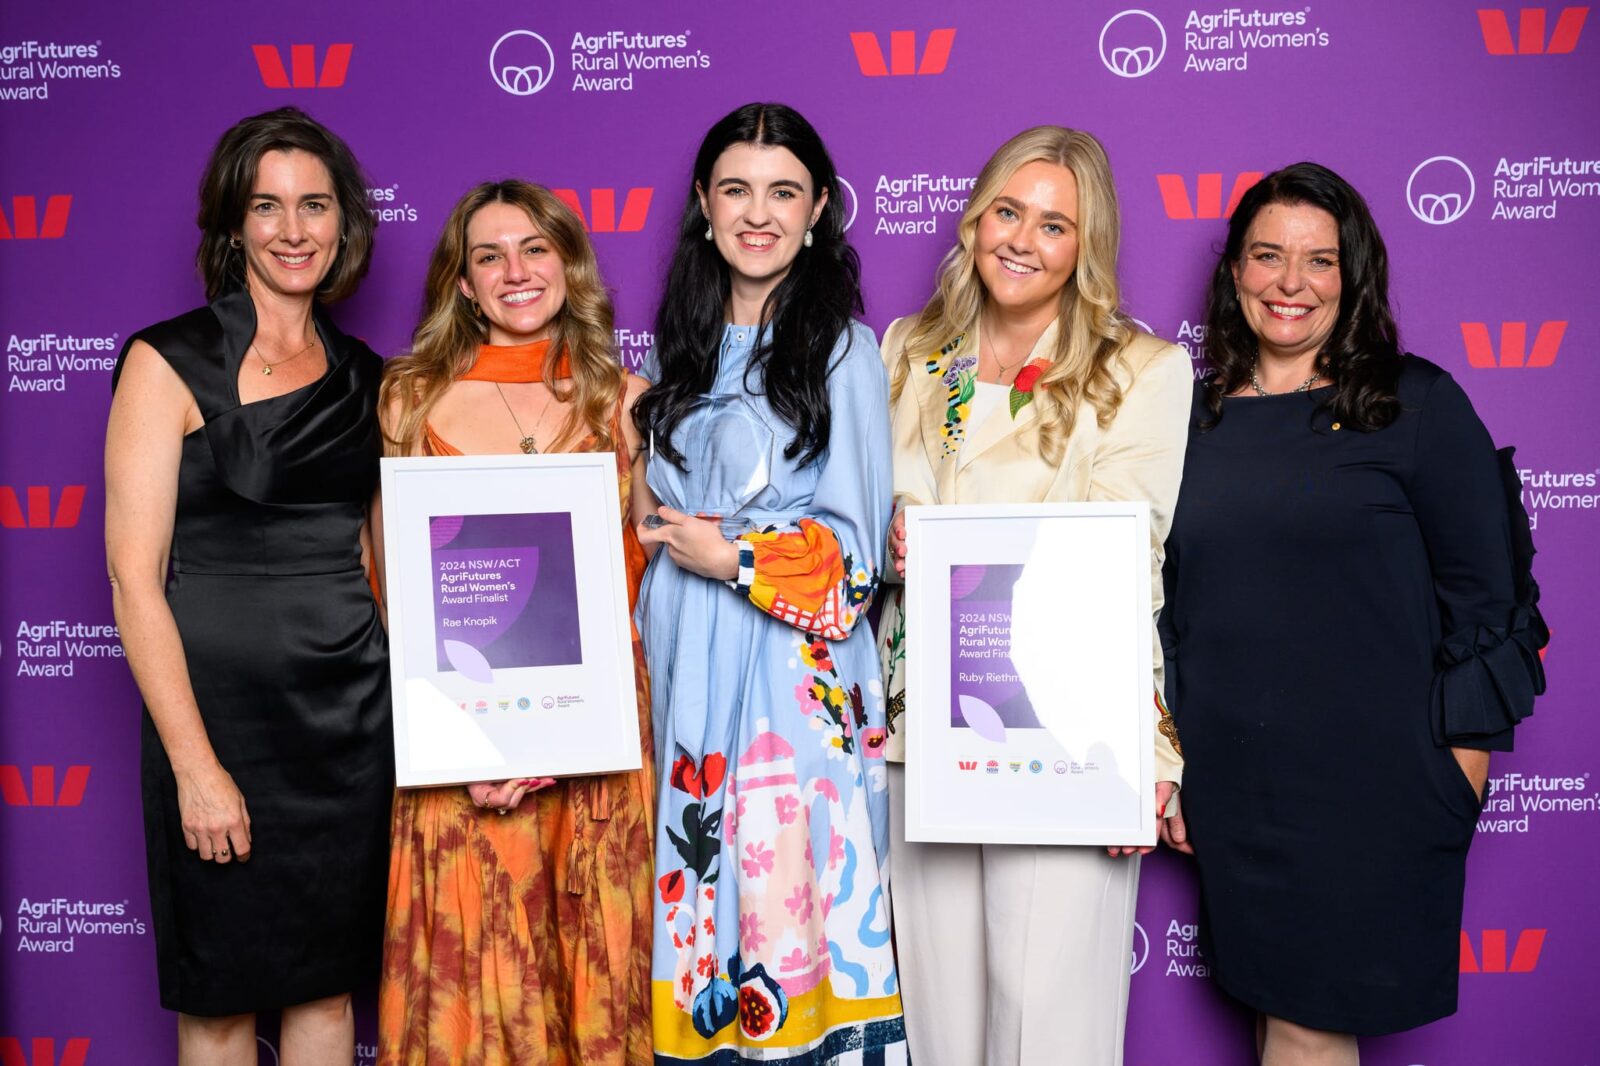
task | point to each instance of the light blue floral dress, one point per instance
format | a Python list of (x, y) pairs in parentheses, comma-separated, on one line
[(771, 920)]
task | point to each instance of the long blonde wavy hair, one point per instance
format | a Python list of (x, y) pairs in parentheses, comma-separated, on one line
[(1093, 330), (446, 341)]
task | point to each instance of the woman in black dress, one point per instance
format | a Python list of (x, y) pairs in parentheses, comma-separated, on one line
[(240, 458), (1345, 640)]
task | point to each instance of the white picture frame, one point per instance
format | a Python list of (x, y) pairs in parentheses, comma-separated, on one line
[(510, 646), (1030, 715)]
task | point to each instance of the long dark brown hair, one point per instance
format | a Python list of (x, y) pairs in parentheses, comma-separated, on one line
[(1362, 354), (230, 175)]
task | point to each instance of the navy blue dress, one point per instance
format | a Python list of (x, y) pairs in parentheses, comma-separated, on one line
[(1339, 611)]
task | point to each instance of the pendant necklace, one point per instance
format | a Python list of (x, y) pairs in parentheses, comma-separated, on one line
[(528, 444), (266, 367)]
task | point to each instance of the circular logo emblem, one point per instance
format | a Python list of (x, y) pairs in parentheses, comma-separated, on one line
[(1036, 766), (1061, 766), (523, 703), (548, 702), (850, 203), (521, 62), (1440, 190), (1141, 948), (1133, 43)]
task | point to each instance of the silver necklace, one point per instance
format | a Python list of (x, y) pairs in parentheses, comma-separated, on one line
[(1304, 386)]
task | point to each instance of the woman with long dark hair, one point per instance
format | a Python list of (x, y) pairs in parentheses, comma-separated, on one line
[(769, 450), (241, 455), (1347, 633)]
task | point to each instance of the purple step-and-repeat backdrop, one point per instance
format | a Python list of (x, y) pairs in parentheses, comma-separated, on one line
[(1470, 129)]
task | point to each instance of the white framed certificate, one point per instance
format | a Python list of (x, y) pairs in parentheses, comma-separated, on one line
[(1029, 688), (510, 652)]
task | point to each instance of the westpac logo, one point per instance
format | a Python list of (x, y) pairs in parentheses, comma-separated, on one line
[(1440, 190), (967, 764), (39, 789), (302, 73), (1491, 957), (1514, 350), (1133, 43), (75, 1053), (522, 63), (24, 222), (602, 214), (1207, 201), (902, 53), (69, 504), (1530, 39)]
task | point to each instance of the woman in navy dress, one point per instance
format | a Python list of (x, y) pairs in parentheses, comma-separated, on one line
[(1345, 638)]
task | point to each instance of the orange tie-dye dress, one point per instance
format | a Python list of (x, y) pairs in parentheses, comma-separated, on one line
[(524, 938)]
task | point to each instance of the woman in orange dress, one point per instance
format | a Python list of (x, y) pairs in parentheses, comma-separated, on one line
[(519, 912)]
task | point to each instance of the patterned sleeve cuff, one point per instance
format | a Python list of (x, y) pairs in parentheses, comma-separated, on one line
[(747, 569)]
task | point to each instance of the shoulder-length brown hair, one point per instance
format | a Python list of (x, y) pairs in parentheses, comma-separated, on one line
[(1092, 329), (446, 342), (230, 175)]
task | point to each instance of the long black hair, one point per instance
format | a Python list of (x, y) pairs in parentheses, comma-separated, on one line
[(807, 311), (1362, 354)]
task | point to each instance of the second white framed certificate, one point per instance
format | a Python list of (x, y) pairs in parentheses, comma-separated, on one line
[(511, 653), (1029, 685)]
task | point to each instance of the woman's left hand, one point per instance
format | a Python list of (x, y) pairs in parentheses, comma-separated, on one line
[(1172, 830), (695, 543)]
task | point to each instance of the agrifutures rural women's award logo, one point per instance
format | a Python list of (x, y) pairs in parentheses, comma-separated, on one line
[(1134, 42), (523, 63), (1442, 188)]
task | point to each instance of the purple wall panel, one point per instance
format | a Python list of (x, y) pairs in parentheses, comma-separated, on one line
[(116, 107)]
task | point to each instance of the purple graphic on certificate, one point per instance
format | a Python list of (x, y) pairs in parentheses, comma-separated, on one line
[(505, 592), (986, 695)]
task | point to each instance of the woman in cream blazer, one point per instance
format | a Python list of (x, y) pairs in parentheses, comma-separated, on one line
[(1022, 382)]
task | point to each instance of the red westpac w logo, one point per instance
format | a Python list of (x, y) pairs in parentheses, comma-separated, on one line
[(302, 70), (602, 214), (39, 788), (902, 52), (967, 764), (1492, 957), (1513, 344), (44, 1051), (69, 504), (1207, 202), (1530, 39), (24, 221)]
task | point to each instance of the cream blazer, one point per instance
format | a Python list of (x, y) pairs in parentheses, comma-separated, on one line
[(1139, 456)]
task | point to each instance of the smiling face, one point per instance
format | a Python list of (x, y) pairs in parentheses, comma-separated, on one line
[(290, 234), (760, 202), (1288, 279), (514, 273), (1026, 244)]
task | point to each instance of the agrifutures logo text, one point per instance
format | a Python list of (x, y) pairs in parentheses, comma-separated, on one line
[(74, 1053), (902, 53), (1207, 200), (15, 790), (602, 214), (1530, 39), (1490, 957), (24, 221), (1514, 350), (302, 71)]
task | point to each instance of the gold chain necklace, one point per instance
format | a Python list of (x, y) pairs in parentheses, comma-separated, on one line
[(528, 444), (994, 353), (266, 367)]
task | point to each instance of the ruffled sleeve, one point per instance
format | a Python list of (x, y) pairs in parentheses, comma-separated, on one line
[(1487, 668)]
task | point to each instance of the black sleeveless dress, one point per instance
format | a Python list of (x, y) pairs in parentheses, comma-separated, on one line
[(289, 665)]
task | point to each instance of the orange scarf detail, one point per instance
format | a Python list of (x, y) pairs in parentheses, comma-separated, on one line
[(514, 363)]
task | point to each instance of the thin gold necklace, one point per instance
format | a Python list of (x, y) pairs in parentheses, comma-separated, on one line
[(528, 444), (994, 353), (266, 367)]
